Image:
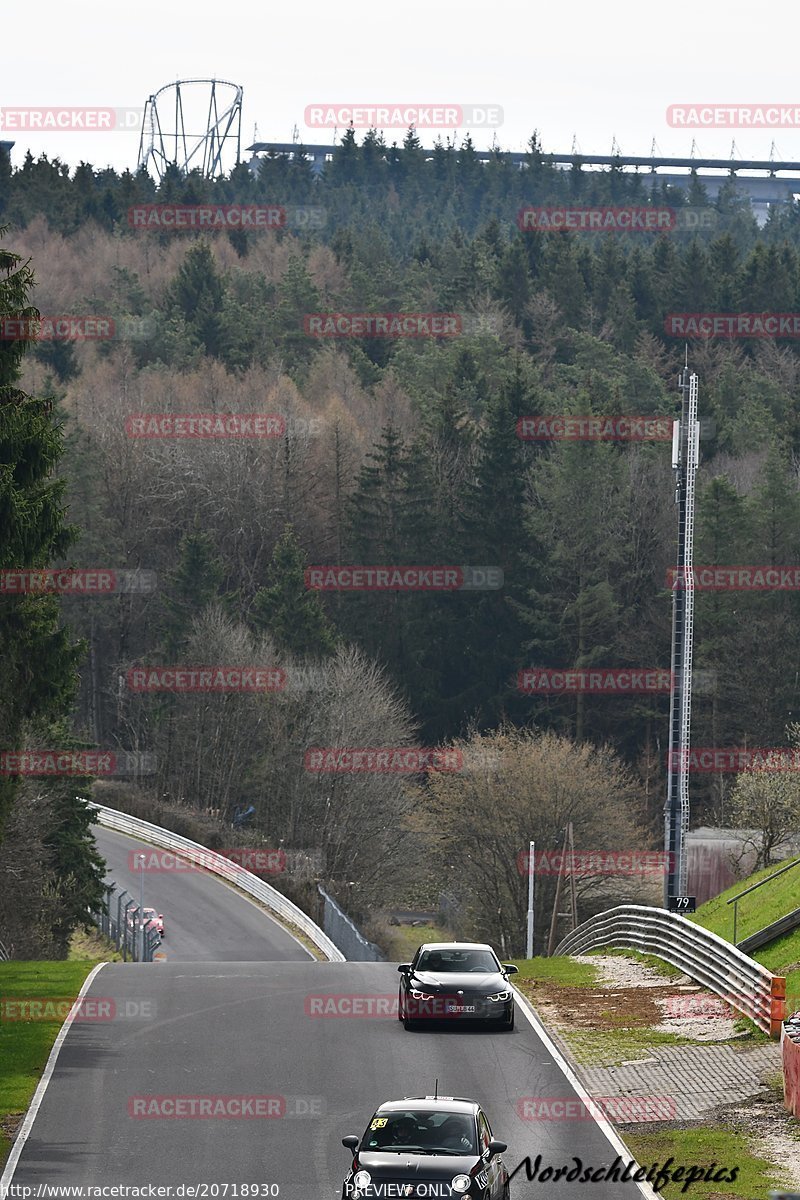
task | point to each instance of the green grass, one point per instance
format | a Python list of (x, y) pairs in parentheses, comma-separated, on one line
[(92, 946), (401, 941), (25, 1045), (756, 910), (564, 971), (702, 1146), (610, 1047)]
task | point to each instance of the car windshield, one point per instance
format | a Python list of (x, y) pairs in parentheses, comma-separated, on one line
[(457, 960), (420, 1132)]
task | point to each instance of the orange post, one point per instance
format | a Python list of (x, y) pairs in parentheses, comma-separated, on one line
[(777, 1005)]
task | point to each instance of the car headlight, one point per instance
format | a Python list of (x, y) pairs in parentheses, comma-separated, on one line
[(362, 1180), (422, 995), (460, 1183), (501, 996)]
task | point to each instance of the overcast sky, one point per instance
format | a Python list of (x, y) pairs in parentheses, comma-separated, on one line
[(586, 69)]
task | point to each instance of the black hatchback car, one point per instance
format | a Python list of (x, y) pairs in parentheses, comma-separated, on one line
[(438, 1147), (456, 981)]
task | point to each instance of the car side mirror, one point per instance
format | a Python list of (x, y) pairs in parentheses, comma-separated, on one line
[(351, 1141), (404, 967), (496, 1147), (510, 969)]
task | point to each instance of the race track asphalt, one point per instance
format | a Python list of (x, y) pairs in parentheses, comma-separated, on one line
[(205, 920), (244, 1029)]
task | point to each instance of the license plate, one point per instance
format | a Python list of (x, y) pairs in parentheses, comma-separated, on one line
[(461, 1008)]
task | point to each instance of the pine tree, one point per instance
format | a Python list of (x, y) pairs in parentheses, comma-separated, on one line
[(194, 584), (495, 535), (38, 679), (73, 856), (197, 294), (286, 609)]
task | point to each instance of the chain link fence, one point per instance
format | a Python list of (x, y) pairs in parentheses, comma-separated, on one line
[(121, 921), (343, 933)]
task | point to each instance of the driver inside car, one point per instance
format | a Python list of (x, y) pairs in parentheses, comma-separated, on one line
[(455, 1133), (403, 1132)]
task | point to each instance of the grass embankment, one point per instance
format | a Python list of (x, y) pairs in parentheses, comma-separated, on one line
[(26, 1044), (705, 1146), (760, 908), (399, 942)]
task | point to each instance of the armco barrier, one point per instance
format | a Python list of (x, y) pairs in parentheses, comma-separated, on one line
[(246, 881), (341, 929), (790, 1050), (747, 986)]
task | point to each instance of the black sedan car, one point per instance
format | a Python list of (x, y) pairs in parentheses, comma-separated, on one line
[(456, 981), (429, 1146)]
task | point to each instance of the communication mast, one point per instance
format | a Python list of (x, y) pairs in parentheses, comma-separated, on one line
[(685, 459), (173, 119)]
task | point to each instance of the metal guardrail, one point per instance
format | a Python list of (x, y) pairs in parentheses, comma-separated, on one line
[(125, 928), (748, 943), (345, 934), (704, 956), (768, 934), (242, 879)]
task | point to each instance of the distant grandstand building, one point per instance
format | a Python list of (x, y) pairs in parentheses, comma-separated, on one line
[(764, 181)]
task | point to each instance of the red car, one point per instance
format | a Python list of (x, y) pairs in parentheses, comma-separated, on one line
[(152, 919)]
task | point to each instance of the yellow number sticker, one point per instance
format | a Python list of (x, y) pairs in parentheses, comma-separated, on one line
[(379, 1123)]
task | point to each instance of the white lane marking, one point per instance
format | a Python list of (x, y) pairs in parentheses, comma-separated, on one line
[(605, 1127), (231, 886), (38, 1095)]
